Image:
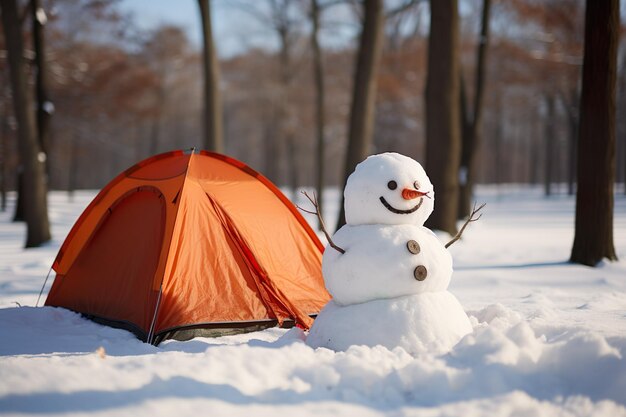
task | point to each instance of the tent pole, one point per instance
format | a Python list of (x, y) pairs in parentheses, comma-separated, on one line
[(42, 287), (156, 310)]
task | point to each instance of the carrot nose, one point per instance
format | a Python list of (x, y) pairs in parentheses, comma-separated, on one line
[(410, 194)]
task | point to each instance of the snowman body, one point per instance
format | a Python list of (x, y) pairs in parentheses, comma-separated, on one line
[(385, 261), (390, 286), (430, 322)]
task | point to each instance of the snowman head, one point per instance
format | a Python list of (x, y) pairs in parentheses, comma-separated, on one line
[(388, 188)]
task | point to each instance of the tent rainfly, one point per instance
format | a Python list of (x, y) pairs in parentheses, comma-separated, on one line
[(190, 243)]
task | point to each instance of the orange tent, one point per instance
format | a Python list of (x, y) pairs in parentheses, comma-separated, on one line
[(185, 244)]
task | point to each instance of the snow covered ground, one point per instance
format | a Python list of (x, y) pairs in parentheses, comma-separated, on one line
[(549, 338)]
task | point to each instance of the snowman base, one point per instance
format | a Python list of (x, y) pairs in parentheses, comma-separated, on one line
[(430, 322)]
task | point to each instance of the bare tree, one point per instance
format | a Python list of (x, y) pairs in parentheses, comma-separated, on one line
[(571, 110), (284, 20), (285, 29), (443, 136), (470, 127), (164, 53), (45, 108), (34, 184), (213, 136), (549, 138), (4, 133), (593, 239), (318, 74), (621, 122), (4, 138), (364, 91)]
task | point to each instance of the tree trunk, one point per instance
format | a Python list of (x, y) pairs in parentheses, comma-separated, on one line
[(286, 114), (72, 166), (498, 139), (572, 119), (271, 145), (45, 108), (470, 130), (549, 141), (624, 155), (213, 135), (535, 151), (443, 136), (4, 135), (18, 215), (318, 74), (292, 163), (571, 155), (363, 106), (593, 239), (34, 185), (621, 122)]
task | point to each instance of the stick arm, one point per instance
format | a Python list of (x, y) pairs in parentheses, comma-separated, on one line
[(469, 220), (318, 213)]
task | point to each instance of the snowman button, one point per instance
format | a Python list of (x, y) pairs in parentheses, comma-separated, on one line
[(420, 273), (413, 247)]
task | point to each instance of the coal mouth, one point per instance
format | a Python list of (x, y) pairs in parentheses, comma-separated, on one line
[(398, 211)]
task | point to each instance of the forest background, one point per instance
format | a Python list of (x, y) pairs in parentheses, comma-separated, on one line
[(116, 92), (121, 93)]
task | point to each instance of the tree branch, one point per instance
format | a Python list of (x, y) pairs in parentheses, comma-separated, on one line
[(319, 216), (401, 8), (331, 3), (469, 220)]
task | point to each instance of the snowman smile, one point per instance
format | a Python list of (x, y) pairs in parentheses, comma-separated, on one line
[(398, 211)]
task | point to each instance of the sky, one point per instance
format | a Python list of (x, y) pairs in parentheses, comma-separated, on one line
[(151, 13), (234, 30), (184, 13)]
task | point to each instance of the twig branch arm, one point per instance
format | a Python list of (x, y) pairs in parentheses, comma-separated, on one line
[(469, 220), (319, 216)]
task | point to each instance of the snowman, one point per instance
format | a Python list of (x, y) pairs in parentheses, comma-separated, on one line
[(388, 274)]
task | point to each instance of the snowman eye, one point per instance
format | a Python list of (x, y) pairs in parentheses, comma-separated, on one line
[(416, 185), (392, 185)]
